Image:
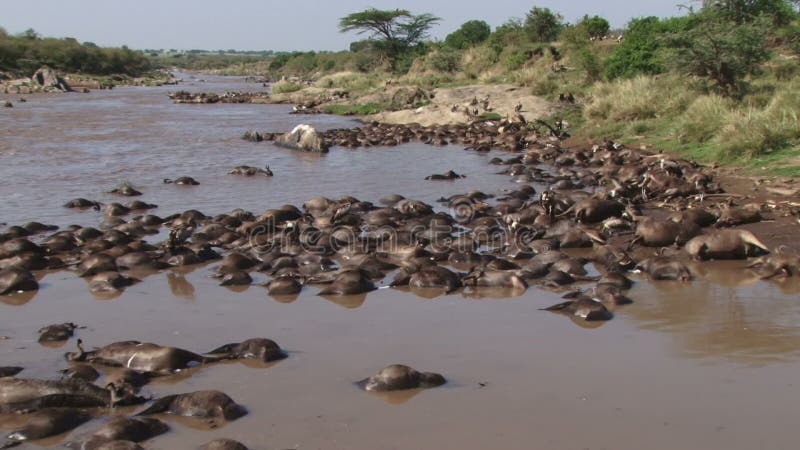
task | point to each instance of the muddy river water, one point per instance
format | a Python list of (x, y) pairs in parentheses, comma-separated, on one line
[(708, 364)]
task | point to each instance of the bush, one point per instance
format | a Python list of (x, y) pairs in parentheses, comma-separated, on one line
[(478, 59), (720, 51), (445, 60), (516, 60), (588, 61), (350, 81), (469, 34), (596, 26), (638, 53), (285, 87), (509, 34), (543, 25)]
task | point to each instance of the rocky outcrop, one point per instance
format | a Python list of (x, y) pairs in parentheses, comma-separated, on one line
[(305, 138), (410, 97), (228, 97), (48, 78), (44, 80)]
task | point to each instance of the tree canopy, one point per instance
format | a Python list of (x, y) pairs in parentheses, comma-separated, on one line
[(398, 26), (543, 25), (470, 33)]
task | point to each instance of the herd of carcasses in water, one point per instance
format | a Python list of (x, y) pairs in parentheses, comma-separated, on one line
[(615, 200)]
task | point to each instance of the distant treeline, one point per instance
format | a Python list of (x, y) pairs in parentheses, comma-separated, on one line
[(24, 53)]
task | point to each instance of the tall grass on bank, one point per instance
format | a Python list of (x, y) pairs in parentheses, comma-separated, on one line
[(285, 87), (704, 126), (351, 81), (638, 98), (703, 119), (751, 132)]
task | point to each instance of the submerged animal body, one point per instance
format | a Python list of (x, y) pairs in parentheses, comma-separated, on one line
[(142, 356), (17, 280), (17, 394), (201, 404), (49, 422), (726, 244), (397, 377), (57, 332), (257, 348), (584, 307)]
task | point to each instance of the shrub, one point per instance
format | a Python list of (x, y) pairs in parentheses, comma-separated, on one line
[(638, 53), (543, 25), (516, 60), (509, 34), (445, 60), (720, 51), (469, 34), (350, 81), (588, 61), (596, 26), (284, 87)]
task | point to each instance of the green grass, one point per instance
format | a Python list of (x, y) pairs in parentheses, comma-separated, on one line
[(489, 116), (285, 87)]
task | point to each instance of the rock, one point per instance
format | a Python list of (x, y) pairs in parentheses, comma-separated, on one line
[(48, 78), (408, 97), (8, 104), (252, 135), (303, 137)]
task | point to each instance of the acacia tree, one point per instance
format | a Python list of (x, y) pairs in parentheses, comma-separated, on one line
[(724, 54), (394, 31)]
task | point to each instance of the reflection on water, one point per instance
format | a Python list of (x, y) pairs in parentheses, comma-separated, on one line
[(727, 311), (725, 336)]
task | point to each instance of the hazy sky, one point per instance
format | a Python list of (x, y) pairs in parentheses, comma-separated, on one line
[(273, 24)]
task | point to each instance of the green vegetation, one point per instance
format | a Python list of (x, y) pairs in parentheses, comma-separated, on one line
[(285, 87), (470, 33), (394, 32), (543, 25), (23, 54)]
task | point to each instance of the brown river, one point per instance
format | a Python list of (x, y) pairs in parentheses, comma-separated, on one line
[(708, 364)]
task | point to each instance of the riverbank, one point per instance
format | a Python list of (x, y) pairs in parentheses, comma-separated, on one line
[(47, 80)]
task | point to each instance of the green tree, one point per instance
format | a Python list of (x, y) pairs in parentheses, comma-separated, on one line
[(30, 33), (717, 50), (596, 26), (469, 34), (394, 31), (642, 50), (543, 25), (509, 34), (744, 11)]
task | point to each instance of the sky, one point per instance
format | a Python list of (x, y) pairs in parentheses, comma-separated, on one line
[(275, 24)]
